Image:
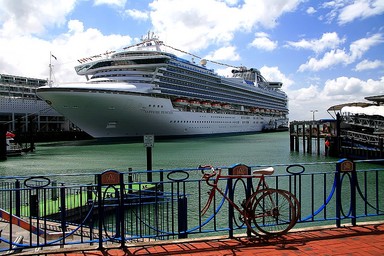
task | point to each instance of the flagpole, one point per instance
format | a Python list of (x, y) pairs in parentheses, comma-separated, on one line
[(50, 70)]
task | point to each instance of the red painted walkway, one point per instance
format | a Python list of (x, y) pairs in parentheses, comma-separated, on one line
[(359, 240)]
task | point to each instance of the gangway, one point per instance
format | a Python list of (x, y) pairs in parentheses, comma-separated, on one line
[(13, 219), (368, 122)]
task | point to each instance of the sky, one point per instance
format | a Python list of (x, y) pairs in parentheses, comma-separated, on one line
[(324, 52)]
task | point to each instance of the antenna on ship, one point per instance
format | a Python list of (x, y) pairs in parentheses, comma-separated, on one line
[(50, 82)]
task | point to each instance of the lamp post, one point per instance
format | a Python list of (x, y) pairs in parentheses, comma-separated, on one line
[(313, 114)]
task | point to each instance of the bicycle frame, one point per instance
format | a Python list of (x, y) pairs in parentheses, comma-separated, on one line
[(207, 177), (271, 211)]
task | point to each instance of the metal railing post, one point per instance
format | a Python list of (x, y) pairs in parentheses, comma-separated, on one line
[(182, 216), (100, 211), (343, 167), (230, 207), (18, 202), (121, 207), (63, 214), (338, 195)]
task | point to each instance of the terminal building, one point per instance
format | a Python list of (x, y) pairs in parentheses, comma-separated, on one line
[(20, 107)]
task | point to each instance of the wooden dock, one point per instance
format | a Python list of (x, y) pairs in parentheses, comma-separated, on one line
[(340, 137), (313, 136)]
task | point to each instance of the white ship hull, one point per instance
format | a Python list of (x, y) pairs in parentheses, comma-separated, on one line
[(143, 89), (113, 114)]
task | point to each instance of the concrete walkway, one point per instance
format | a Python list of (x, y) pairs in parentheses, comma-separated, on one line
[(365, 239)]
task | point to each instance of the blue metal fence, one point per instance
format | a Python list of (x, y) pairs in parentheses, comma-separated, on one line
[(122, 207)]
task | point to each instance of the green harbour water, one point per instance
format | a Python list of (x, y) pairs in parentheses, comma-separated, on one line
[(92, 156), (79, 161)]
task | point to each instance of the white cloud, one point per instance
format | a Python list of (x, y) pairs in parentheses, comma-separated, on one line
[(347, 11), (118, 3), (359, 47), (335, 57), (336, 91), (367, 64), (329, 59), (273, 74), (301, 101), (137, 14), (344, 86), (75, 26), (75, 44), (329, 40), (208, 22), (360, 9), (32, 16), (311, 10), (224, 53), (263, 42)]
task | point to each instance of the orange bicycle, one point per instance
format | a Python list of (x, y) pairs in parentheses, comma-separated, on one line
[(272, 211)]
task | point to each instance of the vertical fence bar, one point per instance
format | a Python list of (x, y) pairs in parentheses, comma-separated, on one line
[(100, 211), (63, 210), (353, 194), (230, 207), (121, 207), (338, 194), (18, 201)]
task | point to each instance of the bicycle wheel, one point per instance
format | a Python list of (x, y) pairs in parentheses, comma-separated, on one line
[(295, 202), (271, 211)]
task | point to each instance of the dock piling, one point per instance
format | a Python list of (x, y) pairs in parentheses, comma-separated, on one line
[(3, 142), (309, 132)]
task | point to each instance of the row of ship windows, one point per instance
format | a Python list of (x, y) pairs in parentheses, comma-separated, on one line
[(213, 122), (154, 106), (197, 81), (193, 75), (195, 70), (220, 93)]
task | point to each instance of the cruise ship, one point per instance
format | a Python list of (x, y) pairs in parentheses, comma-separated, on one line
[(146, 89)]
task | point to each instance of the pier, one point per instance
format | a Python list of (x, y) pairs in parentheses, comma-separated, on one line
[(312, 136), (351, 136)]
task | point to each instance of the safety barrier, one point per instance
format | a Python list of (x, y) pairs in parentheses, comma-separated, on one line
[(123, 207)]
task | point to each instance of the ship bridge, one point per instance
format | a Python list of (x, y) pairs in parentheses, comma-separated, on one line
[(254, 75)]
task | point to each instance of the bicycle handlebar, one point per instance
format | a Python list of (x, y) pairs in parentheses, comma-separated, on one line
[(206, 176)]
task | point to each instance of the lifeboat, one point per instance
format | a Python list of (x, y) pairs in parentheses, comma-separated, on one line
[(195, 103), (216, 105), (206, 104), (226, 106), (181, 102)]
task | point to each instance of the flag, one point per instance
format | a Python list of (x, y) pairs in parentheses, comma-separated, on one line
[(54, 56)]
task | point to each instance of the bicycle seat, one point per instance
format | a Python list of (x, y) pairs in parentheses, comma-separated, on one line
[(265, 171)]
